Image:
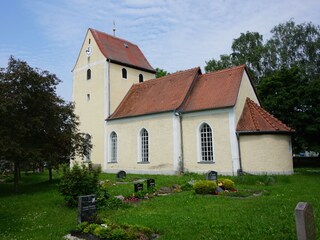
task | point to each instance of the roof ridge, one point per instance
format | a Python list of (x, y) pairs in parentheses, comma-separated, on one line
[(109, 35), (226, 70), (166, 76), (252, 115), (266, 114)]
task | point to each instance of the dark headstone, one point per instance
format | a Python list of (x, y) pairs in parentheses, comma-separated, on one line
[(138, 187), (212, 175), (121, 174), (305, 225), (86, 208), (151, 183)]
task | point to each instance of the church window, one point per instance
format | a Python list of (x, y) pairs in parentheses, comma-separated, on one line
[(88, 74), (114, 147), (88, 97), (144, 145), (124, 73), (87, 152), (206, 143), (140, 78)]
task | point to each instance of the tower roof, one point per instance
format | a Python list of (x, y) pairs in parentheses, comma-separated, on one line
[(121, 51)]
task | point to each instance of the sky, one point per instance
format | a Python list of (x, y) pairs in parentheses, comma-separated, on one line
[(173, 34)]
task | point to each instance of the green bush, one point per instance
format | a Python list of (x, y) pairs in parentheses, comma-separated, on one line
[(205, 187), (77, 181), (186, 187), (226, 184)]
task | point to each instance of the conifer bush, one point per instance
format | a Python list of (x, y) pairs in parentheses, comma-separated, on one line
[(77, 181)]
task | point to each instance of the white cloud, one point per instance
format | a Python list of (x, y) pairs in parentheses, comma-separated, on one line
[(173, 34)]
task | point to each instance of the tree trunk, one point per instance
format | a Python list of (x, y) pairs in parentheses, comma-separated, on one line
[(16, 177), (50, 173)]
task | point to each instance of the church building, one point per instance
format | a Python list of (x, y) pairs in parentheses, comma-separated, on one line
[(187, 121)]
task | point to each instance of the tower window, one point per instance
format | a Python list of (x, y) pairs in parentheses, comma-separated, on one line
[(140, 78), (89, 40), (88, 74), (124, 73), (88, 97)]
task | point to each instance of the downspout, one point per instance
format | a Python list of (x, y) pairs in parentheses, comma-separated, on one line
[(181, 159), (108, 60), (240, 170)]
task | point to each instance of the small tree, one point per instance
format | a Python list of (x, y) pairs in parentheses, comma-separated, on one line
[(77, 181)]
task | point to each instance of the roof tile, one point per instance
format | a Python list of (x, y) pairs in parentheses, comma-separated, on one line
[(157, 95), (215, 90), (121, 51), (255, 119)]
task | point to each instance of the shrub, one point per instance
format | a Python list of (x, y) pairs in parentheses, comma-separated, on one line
[(186, 187), (77, 181), (205, 187), (226, 184)]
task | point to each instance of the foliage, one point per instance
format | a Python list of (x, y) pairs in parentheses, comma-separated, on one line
[(37, 126), (37, 213), (110, 230), (161, 73), (77, 181), (205, 187), (226, 184), (286, 71), (186, 187), (289, 96)]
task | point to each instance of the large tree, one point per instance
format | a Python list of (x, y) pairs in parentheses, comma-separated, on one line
[(37, 126), (286, 70)]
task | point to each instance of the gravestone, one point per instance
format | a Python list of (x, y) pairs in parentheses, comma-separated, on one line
[(305, 225), (212, 175), (121, 174), (138, 187), (151, 183), (86, 208)]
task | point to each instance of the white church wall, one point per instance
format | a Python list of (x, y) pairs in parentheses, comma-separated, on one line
[(218, 120), (160, 132), (266, 153)]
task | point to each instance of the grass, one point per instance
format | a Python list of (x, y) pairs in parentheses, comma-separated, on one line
[(39, 212)]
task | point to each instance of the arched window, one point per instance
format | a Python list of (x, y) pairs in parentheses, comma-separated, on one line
[(140, 78), (114, 147), (88, 74), (144, 145), (124, 73), (206, 143), (87, 152)]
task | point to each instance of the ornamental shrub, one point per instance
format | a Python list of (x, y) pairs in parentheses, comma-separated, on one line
[(77, 181), (226, 184), (205, 187)]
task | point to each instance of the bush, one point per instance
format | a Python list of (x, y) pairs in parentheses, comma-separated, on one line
[(226, 184), (205, 187), (77, 181)]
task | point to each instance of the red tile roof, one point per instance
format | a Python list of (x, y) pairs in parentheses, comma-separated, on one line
[(121, 51), (215, 90), (255, 119), (157, 95)]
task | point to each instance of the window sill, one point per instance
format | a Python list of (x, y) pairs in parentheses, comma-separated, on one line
[(111, 162), (206, 162), (143, 162)]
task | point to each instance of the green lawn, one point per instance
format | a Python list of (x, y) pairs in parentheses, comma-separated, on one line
[(38, 212)]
